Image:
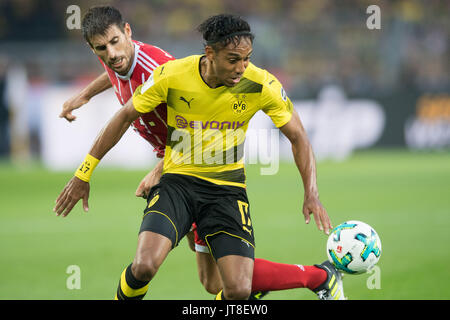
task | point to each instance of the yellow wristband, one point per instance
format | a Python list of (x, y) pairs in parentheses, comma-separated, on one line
[(85, 170)]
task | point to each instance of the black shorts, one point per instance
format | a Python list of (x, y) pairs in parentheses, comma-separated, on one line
[(222, 214)]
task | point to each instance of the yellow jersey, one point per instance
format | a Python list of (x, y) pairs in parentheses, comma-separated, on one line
[(207, 126)]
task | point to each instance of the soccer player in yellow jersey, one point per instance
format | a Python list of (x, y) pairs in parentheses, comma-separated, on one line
[(210, 100)]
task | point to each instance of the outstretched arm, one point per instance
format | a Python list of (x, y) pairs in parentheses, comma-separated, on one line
[(100, 84), (78, 187), (306, 164)]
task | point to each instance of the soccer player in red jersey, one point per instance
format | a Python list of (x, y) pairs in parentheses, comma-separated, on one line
[(128, 64)]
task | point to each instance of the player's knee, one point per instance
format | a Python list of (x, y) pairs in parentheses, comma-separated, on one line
[(237, 291), (144, 271)]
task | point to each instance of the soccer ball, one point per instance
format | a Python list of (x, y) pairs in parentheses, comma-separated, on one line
[(354, 247)]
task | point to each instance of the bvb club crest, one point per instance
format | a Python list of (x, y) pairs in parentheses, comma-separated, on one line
[(239, 105), (153, 201)]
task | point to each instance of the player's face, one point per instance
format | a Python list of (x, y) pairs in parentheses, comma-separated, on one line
[(115, 48), (230, 62)]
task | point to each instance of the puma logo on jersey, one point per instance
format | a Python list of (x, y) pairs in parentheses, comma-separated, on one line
[(188, 102)]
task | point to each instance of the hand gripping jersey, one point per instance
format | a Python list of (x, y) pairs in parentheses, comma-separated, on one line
[(152, 126), (206, 126)]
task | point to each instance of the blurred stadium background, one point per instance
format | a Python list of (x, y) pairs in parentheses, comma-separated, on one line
[(376, 105)]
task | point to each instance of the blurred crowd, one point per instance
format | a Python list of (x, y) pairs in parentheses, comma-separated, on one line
[(307, 44)]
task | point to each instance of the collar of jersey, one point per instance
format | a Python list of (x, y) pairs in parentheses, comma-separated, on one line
[(130, 72)]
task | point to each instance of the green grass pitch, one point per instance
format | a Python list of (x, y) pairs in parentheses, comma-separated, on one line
[(405, 196)]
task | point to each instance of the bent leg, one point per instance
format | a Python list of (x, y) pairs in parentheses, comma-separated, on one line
[(208, 272), (166, 221), (152, 250)]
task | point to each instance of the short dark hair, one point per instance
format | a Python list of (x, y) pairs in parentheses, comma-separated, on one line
[(98, 19), (220, 30)]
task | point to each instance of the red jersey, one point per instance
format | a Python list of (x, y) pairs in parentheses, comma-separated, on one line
[(151, 126)]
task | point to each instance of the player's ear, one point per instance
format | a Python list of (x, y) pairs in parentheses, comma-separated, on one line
[(210, 53), (127, 30)]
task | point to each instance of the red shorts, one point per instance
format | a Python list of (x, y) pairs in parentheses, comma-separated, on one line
[(200, 245)]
